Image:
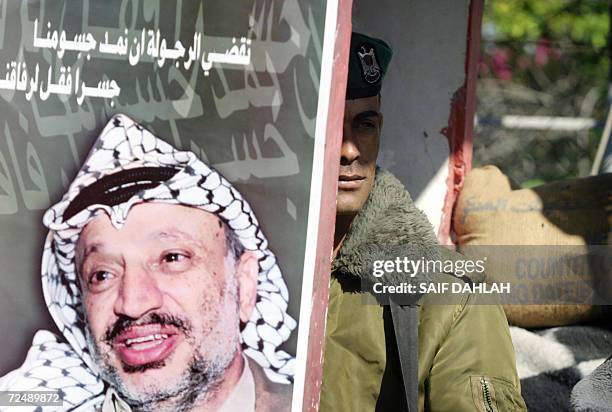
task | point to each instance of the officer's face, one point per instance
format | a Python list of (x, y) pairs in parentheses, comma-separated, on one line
[(360, 142), (164, 300)]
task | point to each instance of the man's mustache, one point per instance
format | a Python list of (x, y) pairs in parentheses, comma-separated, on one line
[(123, 323), (350, 170)]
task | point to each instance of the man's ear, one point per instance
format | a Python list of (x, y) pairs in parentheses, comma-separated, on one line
[(247, 270)]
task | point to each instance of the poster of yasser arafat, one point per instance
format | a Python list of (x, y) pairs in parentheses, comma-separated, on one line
[(156, 165)]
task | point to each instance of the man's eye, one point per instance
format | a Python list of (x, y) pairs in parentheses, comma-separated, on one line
[(367, 125), (173, 257), (99, 277), (175, 261)]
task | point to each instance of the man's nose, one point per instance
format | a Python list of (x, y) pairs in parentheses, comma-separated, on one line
[(139, 293), (349, 151)]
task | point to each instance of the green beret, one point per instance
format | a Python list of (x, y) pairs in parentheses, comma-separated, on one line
[(368, 62)]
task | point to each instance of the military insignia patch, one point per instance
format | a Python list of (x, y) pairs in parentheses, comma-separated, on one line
[(369, 65)]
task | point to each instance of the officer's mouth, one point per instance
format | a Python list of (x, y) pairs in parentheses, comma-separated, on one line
[(141, 345), (350, 181)]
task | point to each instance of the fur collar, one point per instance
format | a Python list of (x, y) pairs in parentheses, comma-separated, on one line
[(388, 226)]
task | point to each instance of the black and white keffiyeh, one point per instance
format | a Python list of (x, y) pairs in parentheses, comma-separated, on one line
[(124, 145)]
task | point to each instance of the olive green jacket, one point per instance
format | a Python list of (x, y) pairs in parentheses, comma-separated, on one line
[(466, 358)]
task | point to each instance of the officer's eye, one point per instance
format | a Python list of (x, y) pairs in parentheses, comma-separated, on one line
[(366, 124)]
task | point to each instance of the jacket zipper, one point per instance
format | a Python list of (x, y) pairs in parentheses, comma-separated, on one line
[(486, 395)]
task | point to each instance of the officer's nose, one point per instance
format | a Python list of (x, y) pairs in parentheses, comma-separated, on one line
[(139, 293), (349, 151)]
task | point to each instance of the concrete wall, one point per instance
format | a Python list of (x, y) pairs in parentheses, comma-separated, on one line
[(429, 39)]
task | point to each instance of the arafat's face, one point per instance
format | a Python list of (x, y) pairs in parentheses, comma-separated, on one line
[(161, 298), (359, 151)]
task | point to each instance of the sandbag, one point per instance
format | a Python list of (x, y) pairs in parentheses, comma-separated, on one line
[(491, 210)]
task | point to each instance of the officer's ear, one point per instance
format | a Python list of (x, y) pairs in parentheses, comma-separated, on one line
[(247, 270)]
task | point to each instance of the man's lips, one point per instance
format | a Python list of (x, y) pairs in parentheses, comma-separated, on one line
[(140, 345), (350, 182)]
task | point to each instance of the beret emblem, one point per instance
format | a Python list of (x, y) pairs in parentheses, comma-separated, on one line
[(369, 65)]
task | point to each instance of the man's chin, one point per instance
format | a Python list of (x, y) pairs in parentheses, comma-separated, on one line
[(348, 204), (148, 383), (168, 384), (136, 378)]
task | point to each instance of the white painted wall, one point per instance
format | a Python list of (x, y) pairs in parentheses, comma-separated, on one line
[(429, 39)]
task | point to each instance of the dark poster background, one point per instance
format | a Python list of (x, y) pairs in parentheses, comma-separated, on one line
[(253, 120)]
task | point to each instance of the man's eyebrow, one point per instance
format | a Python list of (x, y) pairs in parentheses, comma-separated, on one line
[(366, 114), (171, 233), (81, 257), (93, 248)]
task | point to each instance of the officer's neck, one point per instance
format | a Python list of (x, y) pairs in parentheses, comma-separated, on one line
[(343, 223)]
